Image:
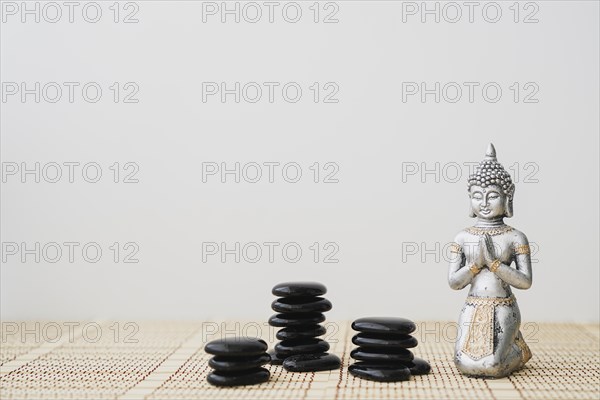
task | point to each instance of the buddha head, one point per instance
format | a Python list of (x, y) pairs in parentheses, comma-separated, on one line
[(491, 189)]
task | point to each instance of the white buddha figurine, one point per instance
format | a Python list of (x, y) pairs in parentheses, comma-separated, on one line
[(489, 343)]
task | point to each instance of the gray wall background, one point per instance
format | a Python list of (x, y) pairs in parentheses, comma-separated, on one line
[(381, 222)]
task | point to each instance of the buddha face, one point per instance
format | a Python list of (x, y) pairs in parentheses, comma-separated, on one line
[(488, 202)]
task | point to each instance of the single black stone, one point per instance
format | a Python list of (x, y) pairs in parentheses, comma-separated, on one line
[(301, 346), (296, 319), (290, 289), (276, 359), (418, 366), (312, 362), (236, 347), (384, 340), (384, 325), (224, 363), (380, 372), (301, 304), (299, 332), (238, 378), (383, 355)]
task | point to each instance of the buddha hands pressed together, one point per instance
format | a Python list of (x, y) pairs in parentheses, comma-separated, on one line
[(489, 342)]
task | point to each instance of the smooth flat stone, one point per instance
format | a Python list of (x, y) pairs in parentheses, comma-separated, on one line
[(384, 325), (300, 332), (381, 355), (384, 340), (239, 378), (289, 289), (224, 363), (236, 347), (276, 359), (301, 304), (312, 362), (301, 346), (418, 366), (380, 372), (296, 319)]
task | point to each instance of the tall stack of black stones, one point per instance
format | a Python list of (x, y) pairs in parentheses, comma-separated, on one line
[(382, 351), (300, 309), (237, 361)]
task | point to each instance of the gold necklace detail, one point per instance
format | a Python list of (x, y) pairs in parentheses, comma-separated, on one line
[(492, 231)]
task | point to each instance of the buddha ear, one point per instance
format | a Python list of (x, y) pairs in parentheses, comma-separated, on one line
[(471, 212), (508, 207)]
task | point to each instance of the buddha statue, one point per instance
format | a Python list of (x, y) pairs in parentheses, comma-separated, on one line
[(489, 343)]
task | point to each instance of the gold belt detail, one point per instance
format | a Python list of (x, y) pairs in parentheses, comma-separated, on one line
[(479, 342)]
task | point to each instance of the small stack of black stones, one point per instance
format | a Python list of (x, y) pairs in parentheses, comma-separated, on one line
[(237, 361), (382, 351), (300, 311)]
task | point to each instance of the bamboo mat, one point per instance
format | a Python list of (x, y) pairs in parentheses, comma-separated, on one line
[(165, 360)]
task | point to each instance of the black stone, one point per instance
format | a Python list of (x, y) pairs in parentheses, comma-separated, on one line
[(384, 340), (236, 347), (381, 355), (300, 332), (418, 366), (224, 363), (301, 304), (312, 362), (384, 325), (276, 359), (290, 289), (380, 372), (301, 346), (238, 378), (296, 319)]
